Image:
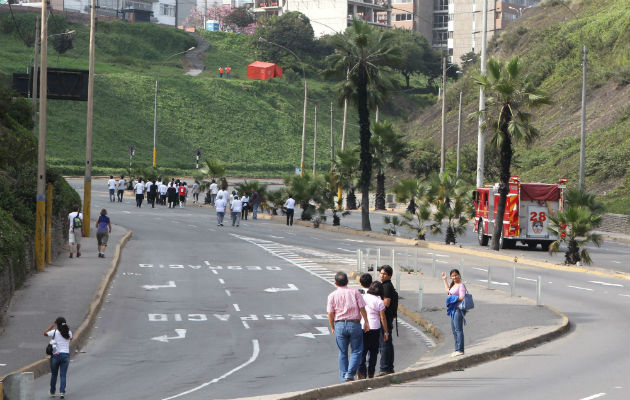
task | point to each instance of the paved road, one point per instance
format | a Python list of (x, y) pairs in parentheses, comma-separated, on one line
[(197, 311)]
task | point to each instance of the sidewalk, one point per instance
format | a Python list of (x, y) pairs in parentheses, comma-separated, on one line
[(68, 287)]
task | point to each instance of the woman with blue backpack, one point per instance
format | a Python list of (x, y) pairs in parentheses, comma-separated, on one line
[(456, 293)]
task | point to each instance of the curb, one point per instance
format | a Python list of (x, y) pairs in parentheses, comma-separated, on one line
[(81, 335)]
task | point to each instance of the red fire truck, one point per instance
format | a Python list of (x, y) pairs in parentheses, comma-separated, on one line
[(527, 208)]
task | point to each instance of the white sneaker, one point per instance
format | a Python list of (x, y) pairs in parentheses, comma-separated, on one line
[(457, 353)]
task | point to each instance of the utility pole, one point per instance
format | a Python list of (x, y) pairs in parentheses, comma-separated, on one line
[(87, 187), (34, 75), (459, 129), (155, 116), (376, 119), (332, 138), (443, 150), (482, 99), (40, 207), (315, 143), (583, 120)]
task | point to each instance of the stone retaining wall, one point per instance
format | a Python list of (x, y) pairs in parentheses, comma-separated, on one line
[(617, 223)]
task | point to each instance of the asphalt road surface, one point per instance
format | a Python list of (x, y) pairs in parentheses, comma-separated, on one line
[(198, 311)]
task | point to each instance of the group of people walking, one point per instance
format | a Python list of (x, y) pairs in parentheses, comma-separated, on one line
[(239, 206), (363, 322)]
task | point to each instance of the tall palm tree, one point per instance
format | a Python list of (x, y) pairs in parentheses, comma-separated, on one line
[(574, 227), (389, 150), (510, 93), (362, 52), (346, 172)]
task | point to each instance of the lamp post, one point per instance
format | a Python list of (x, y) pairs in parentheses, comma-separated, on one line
[(443, 138), (583, 113), (155, 105), (263, 40), (519, 10)]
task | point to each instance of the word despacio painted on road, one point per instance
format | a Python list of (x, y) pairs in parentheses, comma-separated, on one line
[(209, 267)]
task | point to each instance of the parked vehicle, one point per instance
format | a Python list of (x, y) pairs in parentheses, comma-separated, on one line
[(527, 208)]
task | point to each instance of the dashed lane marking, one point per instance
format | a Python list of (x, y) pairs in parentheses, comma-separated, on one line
[(606, 283), (595, 396), (580, 288), (282, 251)]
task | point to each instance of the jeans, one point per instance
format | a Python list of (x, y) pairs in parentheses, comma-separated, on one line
[(370, 346), (59, 364), (220, 216), (255, 211), (290, 212), (236, 218), (112, 197), (349, 333), (214, 197), (120, 195), (387, 349), (457, 326)]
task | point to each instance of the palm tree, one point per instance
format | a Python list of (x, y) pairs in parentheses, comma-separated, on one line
[(346, 172), (213, 169), (450, 197), (574, 227), (509, 93), (389, 150), (362, 52), (414, 191)]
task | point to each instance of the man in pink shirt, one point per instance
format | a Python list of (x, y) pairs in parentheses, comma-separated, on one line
[(345, 306)]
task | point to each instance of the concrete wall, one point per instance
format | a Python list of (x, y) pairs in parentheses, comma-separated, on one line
[(616, 223)]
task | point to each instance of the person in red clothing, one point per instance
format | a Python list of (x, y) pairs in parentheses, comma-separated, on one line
[(228, 70), (182, 191), (220, 72)]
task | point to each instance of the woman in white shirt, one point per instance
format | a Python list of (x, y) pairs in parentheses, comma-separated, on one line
[(60, 336), (375, 310), (139, 192), (220, 205)]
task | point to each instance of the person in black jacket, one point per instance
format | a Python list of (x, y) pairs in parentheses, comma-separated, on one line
[(390, 298)]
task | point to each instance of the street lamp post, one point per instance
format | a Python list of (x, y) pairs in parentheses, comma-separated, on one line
[(263, 40), (155, 105)]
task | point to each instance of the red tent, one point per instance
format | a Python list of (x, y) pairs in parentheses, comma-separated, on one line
[(263, 70)]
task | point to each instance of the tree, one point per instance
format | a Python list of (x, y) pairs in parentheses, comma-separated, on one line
[(292, 30), (425, 159), (239, 17), (346, 169), (574, 227), (389, 150), (451, 199), (418, 56), (362, 53), (509, 93)]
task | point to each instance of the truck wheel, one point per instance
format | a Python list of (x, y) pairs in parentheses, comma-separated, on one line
[(532, 245), (545, 246), (505, 243), (483, 239)]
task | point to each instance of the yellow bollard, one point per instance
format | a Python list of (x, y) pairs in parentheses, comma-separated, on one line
[(49, 200), (39, 233)]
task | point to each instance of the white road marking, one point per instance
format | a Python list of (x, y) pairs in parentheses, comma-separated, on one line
[(440, 255), (442, 262), (527, 279), (181, 334), (276, 237), (480, 269), (349, 251), (3, 365), (322, 332), (169, 284), (253, 358), (624, 295), (494, 282), (617, 262), (580, 288), (193, 226), (291, 287), (606, 283), (245, 324), (236, 307), (228, 292), (595, 396), (214, 271), (221, 281), (354, 240)]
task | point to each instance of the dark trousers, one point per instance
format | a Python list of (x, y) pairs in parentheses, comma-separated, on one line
[(370, 347), (245, 211), (139, 198), (387, 349), (120, 195), (290, 216)]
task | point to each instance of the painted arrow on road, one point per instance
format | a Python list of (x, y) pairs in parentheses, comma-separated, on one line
[(154, 287), (322, 332), (181, 334), (287, 289)]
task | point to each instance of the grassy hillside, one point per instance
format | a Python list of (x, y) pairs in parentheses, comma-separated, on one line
[(253, 126), (548, 38)]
